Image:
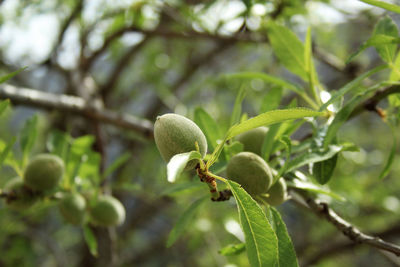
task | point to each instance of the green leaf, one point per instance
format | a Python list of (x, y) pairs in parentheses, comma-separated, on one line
[(269, 140), (178, 162), (288, 48), (90, 240), (341, 117), (6, 151), (395, 73), (237, 108), (184, 221), (271, 117), (271, 100), (261, 241), (296, 183), (309, 65), (180, 188), (354, 84), (58, 144), (82, 144), (313, 156), (3, 105), (263, 119), (233, 249), (376, 41), (390, 159), (323, 170), (233, 148), (285, 140), (208, 125), (10, 75), (266, 78), (287, 254), (384, 5), (28, 136), (121, 160), (388, 27)]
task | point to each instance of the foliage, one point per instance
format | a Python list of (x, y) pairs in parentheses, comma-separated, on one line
[(331, 106)]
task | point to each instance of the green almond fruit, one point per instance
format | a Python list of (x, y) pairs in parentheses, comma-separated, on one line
[(20, 197), (251, 172), (277, 194), (44, 172), (253, 139), (175, 134), (72, 207), (108, 211)]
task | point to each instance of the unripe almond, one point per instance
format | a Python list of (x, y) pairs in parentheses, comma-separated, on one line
[(277, 194), (175, 134), (250, 171), (73, 208), (44, 172), (20, 197), (253, 139), (108, 211)]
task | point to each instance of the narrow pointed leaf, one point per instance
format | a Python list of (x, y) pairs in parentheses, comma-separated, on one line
[(313, 156), (391, 156), (375, 40), (261, 241), (6, 151), (208, 125), (263, 119), (3, 105), (287, 254), (121, 160), (288, 48), (28, 135), (354, 84), (272, 117), (384, 5), (10, 75), (386, 26), (237, 108), (90, 240), (308, 186), (233, 249), (323, 170), (266, 78)]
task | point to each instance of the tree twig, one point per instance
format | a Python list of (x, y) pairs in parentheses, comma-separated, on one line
[(75, 13), (371, 103), (338, 247), (323, 210), (75, 105), (106, 89)]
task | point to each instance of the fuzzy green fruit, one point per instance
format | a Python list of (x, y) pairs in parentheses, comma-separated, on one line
[(277, 194), (175, 134), (250, 171), (253, 140), (44, 172), (73, 208), (108, 211), (20, 197)]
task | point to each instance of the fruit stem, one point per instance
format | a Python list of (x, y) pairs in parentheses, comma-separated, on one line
[(204, 176)]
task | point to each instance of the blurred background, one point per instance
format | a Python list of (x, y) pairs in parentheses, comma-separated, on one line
[(147, 58)]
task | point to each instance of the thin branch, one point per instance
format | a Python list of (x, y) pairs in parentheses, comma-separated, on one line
[(371, 103), (323, 210), (75, 105), (75, 13), (338, 247), (116, 73)]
